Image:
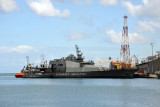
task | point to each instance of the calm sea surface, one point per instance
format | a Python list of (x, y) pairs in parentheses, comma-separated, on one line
[(19, 92)]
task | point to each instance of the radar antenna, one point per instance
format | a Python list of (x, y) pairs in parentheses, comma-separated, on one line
[(79, 54)]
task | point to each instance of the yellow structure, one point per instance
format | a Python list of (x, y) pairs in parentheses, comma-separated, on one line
[(118, 64), (121, 65)]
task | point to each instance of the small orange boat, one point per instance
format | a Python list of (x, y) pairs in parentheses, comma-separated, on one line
[(19, 75)]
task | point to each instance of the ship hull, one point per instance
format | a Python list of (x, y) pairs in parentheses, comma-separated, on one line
[(91, 74)]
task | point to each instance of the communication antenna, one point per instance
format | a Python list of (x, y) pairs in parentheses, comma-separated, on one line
[(125, 49)]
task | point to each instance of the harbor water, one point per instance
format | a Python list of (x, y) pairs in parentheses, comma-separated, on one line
[(25, 92)]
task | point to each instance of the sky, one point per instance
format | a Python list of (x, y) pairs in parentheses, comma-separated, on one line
[(53, 27)]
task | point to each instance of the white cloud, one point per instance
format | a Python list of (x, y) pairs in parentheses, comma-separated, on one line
[(138, 38), (149, 26), (134, 38), (149, 9), (17, 49), (114, 36), (8, 5), (132, 9), (45, 8), (108, 2)]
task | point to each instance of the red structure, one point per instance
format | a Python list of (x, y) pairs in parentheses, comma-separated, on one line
[(19, 75), (125, 49)]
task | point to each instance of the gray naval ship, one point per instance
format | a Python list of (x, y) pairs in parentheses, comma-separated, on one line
[(75, 67)]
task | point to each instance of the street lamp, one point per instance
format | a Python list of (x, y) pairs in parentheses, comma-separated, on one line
[(152, 55)]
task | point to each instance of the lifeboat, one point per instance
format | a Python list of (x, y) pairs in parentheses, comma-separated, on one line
[(19, 75)]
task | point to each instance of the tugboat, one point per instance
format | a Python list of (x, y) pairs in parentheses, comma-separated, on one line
[(75, 67)]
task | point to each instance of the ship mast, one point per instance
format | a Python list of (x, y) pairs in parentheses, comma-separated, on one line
[(43, 63), (42, 59), (79, 54), (27, 60)]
